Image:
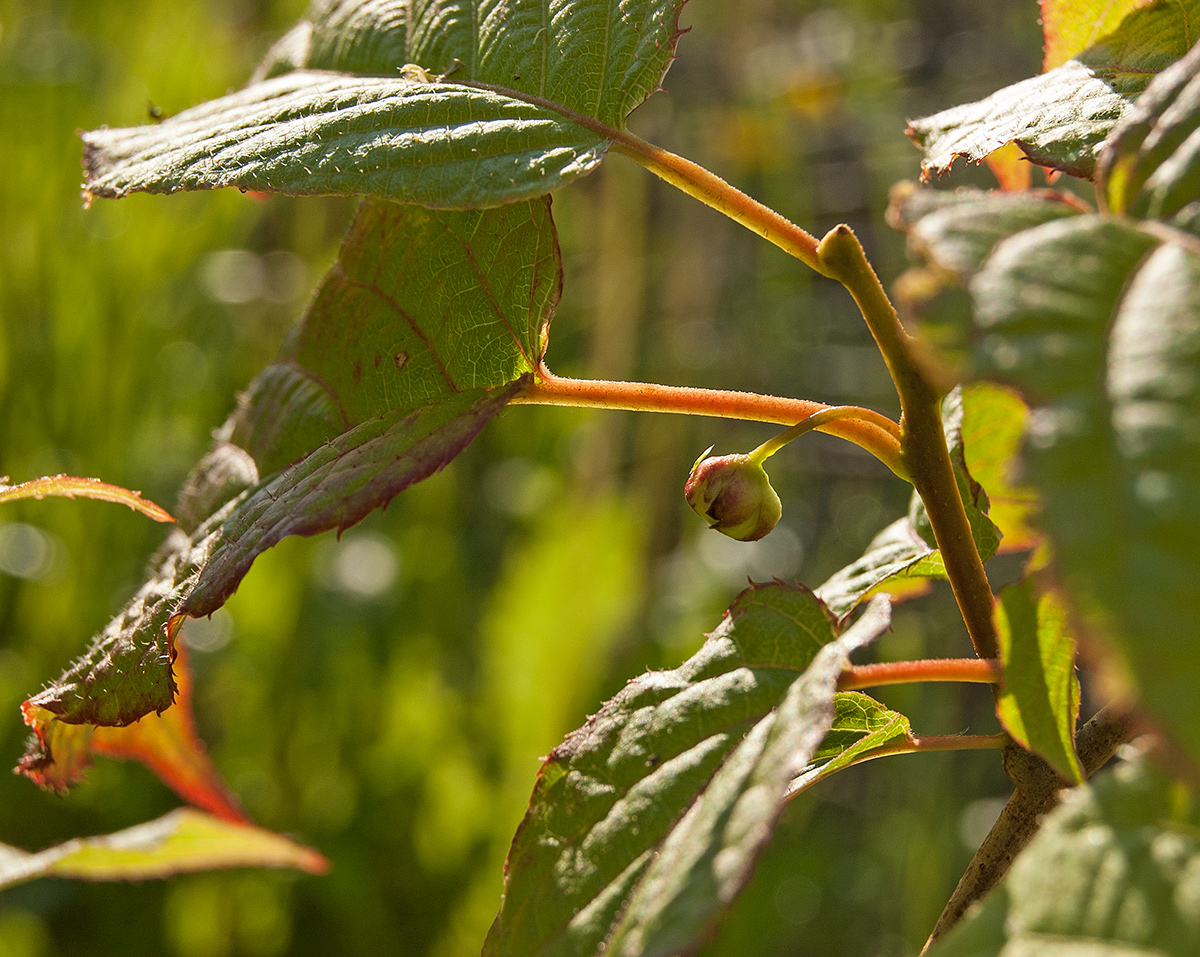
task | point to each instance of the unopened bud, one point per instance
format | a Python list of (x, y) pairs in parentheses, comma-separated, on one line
[(733, 494)]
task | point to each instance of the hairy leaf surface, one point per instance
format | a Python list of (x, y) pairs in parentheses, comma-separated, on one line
[(860, 725), (1097, 322), (1151, 163), (426, 327), (1061, 118), (1111, 872), (1039, 700), (167, 743), (178, 843), (453, 104), (664, 798)]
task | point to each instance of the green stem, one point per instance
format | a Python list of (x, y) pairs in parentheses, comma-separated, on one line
[(971, 670), (925, 454), (870, 430), (818, 419)]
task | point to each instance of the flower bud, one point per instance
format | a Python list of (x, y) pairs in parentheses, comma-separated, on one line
[(733, 494)]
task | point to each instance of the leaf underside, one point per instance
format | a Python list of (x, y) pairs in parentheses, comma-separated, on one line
[(1038, 703), (1094, 321), (426, 327), (183, 841), (1061, 118), (660, 804), (1151, 165)]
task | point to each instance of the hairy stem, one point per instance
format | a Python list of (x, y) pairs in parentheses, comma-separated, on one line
[(818, 419), (972, 670), (713, 191), (1037, 790), (691, 178), (870, 430), (924, 451)]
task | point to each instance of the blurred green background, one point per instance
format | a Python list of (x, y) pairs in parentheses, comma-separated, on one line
[(386, 697)]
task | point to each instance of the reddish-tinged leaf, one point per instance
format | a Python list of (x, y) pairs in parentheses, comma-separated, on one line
[(1071, 26), (181, 842), (1061, 118), (68, 486), (1010, 167), (167, 743), (427, 327)]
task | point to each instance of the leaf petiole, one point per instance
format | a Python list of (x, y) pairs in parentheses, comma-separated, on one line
[(825, 416), (867, 429), (967, 670), (909, 744)]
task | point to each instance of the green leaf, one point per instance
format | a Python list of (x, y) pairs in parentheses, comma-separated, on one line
[(178, 843), (1061, 118), (426, 328), (994, 422), (1096, 322), (952, 232), (1110, 873), (664, 798), (306, 133), (167, 743), (860, 725), (955, 231), (68, 486), (451, 104), (1071, 26), (904, 554), (1039, 701), (1150, 165)]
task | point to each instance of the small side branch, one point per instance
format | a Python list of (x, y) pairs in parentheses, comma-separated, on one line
[(971, 670), (868, 429)]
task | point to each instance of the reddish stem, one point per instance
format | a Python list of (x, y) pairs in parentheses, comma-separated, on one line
[(974, 670), (871, 430)]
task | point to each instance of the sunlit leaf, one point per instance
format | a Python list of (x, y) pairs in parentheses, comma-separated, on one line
[(664, 797), (994, 422), (1038, 702), (68, 486), (452, 104), (1060, 118), (167, 743), (181, 842), (860, 725), (1071, 26), (1151, 162), (1111, 872), (425, 329)]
